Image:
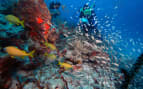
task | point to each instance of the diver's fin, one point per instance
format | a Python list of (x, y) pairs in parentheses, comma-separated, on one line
[(31, 53), (22, 23)]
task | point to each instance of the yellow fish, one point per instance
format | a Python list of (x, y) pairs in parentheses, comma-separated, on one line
[(51, 46), (14, 20), (65, 65), (13, 51), (51, 56)]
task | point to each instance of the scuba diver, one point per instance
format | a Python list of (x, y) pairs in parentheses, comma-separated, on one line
[(88, 21), (54, 9)]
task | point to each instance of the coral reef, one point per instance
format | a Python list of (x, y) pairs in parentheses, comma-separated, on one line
[(92, 66), (8, 66), (8, 30)]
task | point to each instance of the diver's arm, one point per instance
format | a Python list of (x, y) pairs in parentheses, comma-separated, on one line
[(93, 5)]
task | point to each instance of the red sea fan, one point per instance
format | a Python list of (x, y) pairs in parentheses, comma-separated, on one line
[(30, 11)]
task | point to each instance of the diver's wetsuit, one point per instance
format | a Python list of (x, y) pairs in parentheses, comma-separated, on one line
[(92, 23)]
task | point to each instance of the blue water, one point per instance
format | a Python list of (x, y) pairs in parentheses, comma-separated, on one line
[(127, 18)]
